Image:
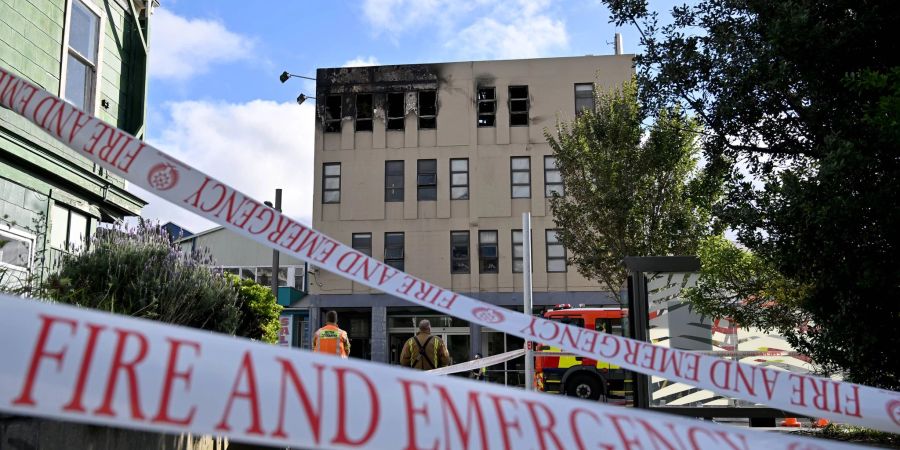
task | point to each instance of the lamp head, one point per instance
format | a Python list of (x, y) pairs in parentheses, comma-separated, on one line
[(302, 98), (284, 76)]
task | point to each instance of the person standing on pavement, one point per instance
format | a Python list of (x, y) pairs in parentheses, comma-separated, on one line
[(424, 351), (331, 339), (479, 373)]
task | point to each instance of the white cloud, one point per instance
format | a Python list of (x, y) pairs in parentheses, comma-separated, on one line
[(478, 29), (182, 48), (359, 61), (255, 147)]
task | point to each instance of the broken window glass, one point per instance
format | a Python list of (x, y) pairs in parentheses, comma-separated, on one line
[(487, 107), (518, 106), (364, 112), (395, 111), (427, 109), (333, 114)]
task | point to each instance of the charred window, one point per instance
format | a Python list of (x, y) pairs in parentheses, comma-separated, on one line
[(393, 181), (395, 111), (364, 112), (487, 106), (427, 109), (426, 179), (518, 106), (333, 114)]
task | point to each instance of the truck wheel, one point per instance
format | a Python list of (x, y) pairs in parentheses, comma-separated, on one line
[(584, 386)]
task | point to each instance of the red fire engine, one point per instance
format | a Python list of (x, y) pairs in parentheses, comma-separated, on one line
[(583, 377)]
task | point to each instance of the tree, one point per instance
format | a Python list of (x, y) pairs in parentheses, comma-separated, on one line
[(629, 191), (138, 272), (259, 310), (800, 99)]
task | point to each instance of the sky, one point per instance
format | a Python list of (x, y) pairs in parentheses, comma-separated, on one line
[(215, 100)]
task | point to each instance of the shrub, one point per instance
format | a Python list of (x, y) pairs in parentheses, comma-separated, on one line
[(259, 310), (139, 272)]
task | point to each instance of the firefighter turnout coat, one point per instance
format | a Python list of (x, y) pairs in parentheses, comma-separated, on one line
[(424, 352)]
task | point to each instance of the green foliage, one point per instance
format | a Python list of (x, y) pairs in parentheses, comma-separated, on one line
[(629, 191), (737, 284), (259, 310), (138, 272), (801, 100)]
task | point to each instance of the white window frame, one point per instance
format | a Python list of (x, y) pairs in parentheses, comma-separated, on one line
[(7, 231), (94, 105)]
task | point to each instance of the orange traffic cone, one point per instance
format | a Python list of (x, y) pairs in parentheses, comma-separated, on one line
[(821, 423), (790, 422)]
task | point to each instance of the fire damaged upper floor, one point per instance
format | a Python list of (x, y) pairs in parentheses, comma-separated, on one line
[(459, 103)]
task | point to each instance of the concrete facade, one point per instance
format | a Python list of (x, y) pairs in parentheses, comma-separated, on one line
[(51, 198), (452, 128)]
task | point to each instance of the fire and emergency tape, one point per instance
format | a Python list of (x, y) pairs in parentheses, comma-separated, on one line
[(478, 363), (80, 365), (177, 182)]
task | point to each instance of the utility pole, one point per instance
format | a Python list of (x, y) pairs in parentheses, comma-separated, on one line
[(526, 295), (275, 254)]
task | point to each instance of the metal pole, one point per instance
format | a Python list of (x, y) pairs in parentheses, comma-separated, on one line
[(527, 292), (275, 253)]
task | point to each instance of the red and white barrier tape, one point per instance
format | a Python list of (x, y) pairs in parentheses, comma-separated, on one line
[(197, 192), (86, 366), (478, 363)]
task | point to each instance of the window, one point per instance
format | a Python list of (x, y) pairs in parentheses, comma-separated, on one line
[(68, 228), (331, 183), (426, 179), (459, 179), (611, 326), (459, 252), (393, 250), (488, 254), (264, 276), (393, 181), (552, 178), (518, 251), (362, 242), (364, 112), (333, 114), (584, 97), (520, 171), (487, 107), (556, 253), (15, 251), (81, 57), (518, 106), (427, 109), (395, 111)]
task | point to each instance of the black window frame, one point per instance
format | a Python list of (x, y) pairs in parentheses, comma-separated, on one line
[(549, 184), (512, 175), (519, 106), (460, 262), (426, 180), (427, 111), (358, 242), (580, 94), (325, 177), (364, 122), (395, 260), (332, 123), (557, 243), (484, 262), (395, 120), (485, 118), (454, 185), (517, 260), (391, 193)]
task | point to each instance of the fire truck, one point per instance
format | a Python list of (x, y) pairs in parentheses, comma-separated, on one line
[(574, 375)]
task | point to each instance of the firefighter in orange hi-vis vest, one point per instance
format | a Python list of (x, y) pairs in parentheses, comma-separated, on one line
[(331, 339)]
